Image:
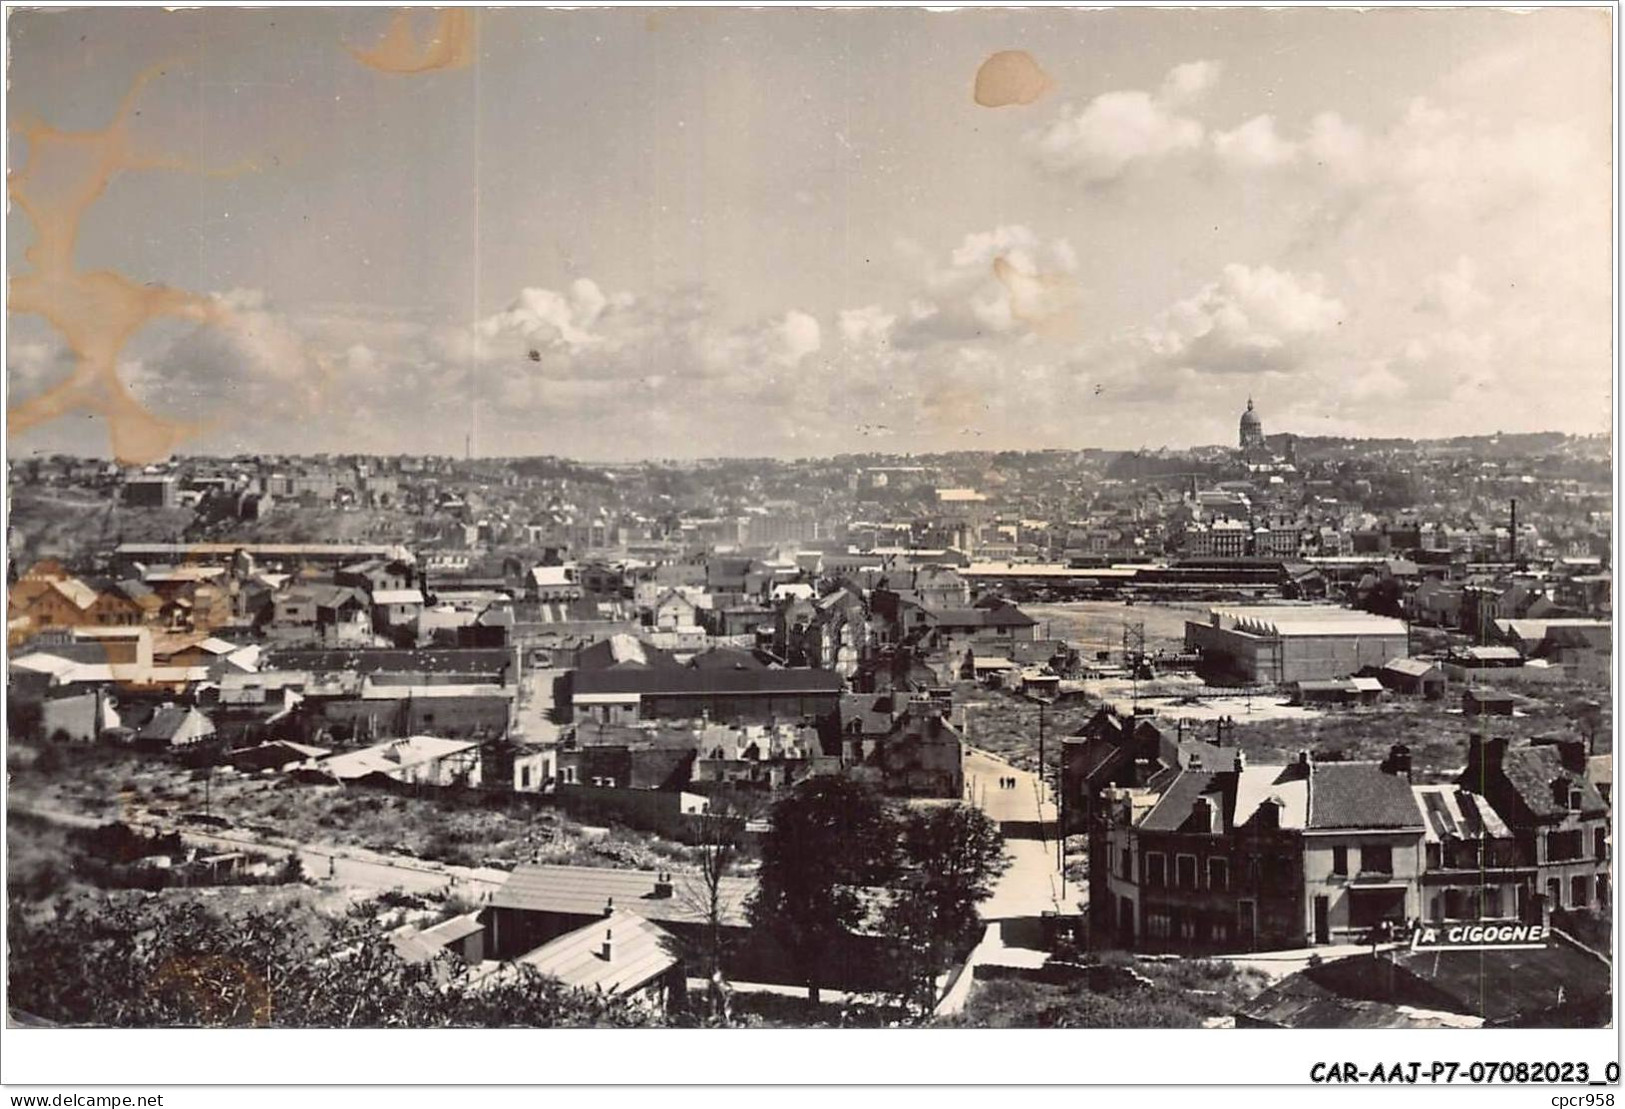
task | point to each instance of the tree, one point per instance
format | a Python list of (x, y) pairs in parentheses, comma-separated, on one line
[(831, 837), (162, 965), (951, 856), (722, 832)]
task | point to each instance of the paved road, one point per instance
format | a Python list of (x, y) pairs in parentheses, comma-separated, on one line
[(1029, 889), (1032, 885), (983, 772)]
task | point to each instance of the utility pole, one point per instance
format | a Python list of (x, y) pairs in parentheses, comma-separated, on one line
[(1040, 748)]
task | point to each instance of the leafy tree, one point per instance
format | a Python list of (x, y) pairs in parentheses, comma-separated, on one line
[(831, 837), (1384, 598), (951, 856)]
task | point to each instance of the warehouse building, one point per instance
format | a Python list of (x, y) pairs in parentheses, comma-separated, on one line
[(1283, 644)]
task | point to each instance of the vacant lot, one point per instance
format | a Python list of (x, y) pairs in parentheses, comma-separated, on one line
[(1093, 626), (1270, 731), (1185, 993), (462, 830)]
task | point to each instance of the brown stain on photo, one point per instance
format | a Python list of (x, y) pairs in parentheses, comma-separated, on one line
[(97, 312), (449, 44), (1043, 301), (1010, 77)]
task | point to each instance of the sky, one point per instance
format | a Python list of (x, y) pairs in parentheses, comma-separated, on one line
[(677, 233)]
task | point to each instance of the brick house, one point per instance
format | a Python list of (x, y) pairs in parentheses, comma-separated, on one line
[(1212, 862), (1555, 812), (1362, 848)]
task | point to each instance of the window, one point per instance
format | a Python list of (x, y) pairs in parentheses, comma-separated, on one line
[(1154, 875), (1158, 924), (569, 773), (1368, 907), (1554, 892), (1602, 891), (1599, 844), (1185, 871), (1492, 902), (524, 777), (1579, 892), (1376, 858), (1562, 846), (1340, 861), (1218, 874)]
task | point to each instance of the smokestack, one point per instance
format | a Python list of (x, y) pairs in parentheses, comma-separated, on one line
[(1512, 539)]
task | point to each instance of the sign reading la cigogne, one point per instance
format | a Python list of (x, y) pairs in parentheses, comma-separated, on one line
[(1479, 937)]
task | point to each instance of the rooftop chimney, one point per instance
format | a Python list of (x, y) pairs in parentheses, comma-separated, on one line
[(609, 907), (1241, 761), (1399, 761), (663, 887), (1305, 758), (607, 951)]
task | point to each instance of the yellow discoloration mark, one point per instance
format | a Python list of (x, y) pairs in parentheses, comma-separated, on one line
[(448, 45), (97, 312), (1010, 77), (1042, 301)]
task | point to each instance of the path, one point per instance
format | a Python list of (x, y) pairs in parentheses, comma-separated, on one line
[(1030, 889)]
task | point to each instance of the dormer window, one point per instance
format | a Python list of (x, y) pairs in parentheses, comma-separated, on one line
[(1574, 800)]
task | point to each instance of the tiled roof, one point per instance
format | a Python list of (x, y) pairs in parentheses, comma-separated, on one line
[(1360, 795), (685, 681), (1531, 772), (1173, 811), (585, 891), (639, 952), (1237, 795)]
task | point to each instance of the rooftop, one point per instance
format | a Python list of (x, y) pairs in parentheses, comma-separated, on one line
[(586, 891), (639, 951), (1360, 795)]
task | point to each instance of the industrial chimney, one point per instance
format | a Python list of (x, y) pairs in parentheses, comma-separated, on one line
[(1512, 539)]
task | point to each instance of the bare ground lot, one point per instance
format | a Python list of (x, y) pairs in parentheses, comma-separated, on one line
[(1271, 731), (1093, 626), (111, 784)]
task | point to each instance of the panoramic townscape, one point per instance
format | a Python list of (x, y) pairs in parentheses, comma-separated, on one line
[(974, 739), (807, 518)]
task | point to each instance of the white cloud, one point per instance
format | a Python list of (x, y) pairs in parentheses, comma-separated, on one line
[(1188, 80), (800, 335), (999, 283), (1455, 292), (1117, 130), (1251, 319), (870, 325), (1254, 145)]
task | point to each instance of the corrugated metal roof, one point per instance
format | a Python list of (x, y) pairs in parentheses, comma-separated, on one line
[(394, 756), (1449, 811)]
